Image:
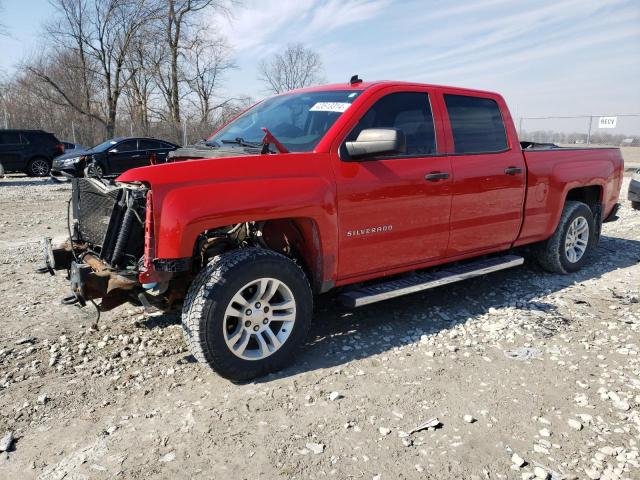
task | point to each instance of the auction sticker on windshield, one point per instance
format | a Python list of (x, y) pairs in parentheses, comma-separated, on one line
[(330, 107)]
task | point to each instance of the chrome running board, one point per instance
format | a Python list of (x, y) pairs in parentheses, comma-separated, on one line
[(424, 281)]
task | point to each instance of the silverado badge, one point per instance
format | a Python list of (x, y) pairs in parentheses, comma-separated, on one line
[(369, 230)]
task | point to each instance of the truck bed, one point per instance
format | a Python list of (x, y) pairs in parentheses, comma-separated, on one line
[(552, 172)]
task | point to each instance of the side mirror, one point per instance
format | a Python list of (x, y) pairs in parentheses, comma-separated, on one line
[(113, 150), (377, 141)]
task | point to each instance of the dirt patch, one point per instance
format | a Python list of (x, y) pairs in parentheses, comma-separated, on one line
[(526, 373)]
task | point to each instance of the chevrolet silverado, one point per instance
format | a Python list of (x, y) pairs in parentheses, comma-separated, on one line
[(378, 189)]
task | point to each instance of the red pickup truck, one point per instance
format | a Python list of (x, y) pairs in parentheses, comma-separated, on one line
[(363, 187)]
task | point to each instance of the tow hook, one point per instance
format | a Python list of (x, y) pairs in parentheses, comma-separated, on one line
[(49, 259), (45, 269), (73, 299), (78, 275), (149, 309)]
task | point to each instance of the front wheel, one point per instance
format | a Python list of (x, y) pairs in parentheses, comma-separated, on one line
[(247, 312), (94, 170), (574, 239)]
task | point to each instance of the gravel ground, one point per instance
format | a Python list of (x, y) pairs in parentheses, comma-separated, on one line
[(514, 375)]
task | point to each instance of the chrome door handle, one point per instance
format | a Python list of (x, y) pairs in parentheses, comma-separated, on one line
[(435, 176), (512, 170)]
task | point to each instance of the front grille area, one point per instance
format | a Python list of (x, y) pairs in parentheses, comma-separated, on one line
[(93, 208), (109, 221)]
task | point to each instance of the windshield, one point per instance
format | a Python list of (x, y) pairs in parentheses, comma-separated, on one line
[(297, 120), (103, 146)]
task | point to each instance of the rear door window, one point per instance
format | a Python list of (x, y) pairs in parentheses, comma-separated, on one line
[(406, 111), (9, 138), (150, 145), (476, 124)]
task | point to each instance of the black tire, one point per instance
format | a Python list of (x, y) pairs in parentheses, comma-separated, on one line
[(39, 167), (551, 254), (203, 313), (635, 205)]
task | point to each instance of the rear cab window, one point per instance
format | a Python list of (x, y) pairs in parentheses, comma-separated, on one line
[(476, 124)]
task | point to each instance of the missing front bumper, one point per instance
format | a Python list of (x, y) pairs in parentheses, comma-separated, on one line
[(89, 277)]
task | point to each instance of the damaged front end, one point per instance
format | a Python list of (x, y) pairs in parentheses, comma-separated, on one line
[(110, 245)]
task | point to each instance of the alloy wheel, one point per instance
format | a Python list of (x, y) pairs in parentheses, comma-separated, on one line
[(39, 167), (577, 239), (259, 319)]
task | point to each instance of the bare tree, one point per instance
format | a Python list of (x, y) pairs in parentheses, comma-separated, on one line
[(98, 35), (177, 20), (149, 64), (3, 28), (141, 87), (296, 67), (208, 61)]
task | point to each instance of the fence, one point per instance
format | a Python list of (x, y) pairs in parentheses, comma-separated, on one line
[(610, 129)]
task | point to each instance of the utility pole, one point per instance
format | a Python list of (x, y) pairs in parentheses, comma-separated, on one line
[(6, 118), (184, 133), (589, 134), (73, 131), (520, 127)]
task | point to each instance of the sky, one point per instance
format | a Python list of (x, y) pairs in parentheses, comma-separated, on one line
[(563, 57)]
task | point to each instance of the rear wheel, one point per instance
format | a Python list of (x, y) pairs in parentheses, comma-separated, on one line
[(635, 205), (247, 312), (38, 167), (572, 242)]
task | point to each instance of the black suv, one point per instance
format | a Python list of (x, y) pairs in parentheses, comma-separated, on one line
[(28, 151), (113, 157)]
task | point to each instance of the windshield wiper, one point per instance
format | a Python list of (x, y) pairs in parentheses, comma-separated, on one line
[(242, 142)]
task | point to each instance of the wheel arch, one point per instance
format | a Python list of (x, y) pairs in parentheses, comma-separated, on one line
[(298, 238), (591, 195), (101, 162), (39, 156)]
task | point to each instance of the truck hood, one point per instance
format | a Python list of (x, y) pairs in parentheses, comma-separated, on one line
[(225, 168)]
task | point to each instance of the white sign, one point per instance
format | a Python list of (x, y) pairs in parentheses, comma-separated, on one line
[(330, 107), (607, 122)]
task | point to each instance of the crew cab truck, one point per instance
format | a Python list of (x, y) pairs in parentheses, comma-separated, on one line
[(364, 186)]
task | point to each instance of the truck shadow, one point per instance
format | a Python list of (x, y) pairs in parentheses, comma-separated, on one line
[(340, 336)]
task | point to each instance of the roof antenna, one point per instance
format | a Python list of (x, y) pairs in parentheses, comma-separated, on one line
[(355, 80)]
